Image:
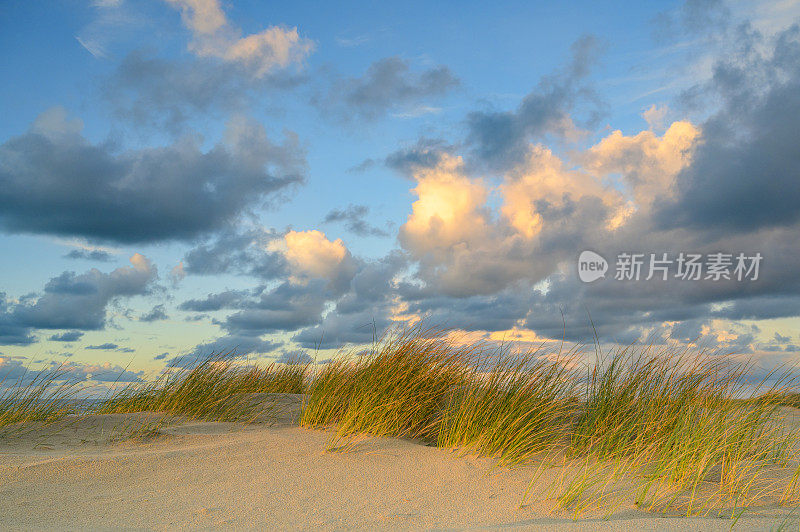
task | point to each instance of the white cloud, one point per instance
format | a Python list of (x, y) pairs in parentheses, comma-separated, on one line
[(214, 36)]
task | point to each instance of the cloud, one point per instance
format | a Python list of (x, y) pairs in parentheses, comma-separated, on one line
[(214, 36), (287, 307), (157, 313), (90, 254), (239, 344), (500, 138), (68, 336), (108, 346), (218, 301), (166, 93), (296, 356), (647, 163), (743, 174), (310, 255), (241, 250), (72, 301), (389, 84), (177, 274), (13, 370), (353, 218), (53, 181)]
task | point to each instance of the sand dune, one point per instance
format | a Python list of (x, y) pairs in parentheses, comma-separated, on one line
[(90, 473)]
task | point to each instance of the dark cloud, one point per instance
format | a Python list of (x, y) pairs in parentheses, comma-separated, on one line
[(218, 301), (72, 301), (12, 332), (363, 311), (743, 174), (287, 307), (296, 356), (500, 138), (108, 346), (157, 313), (238, 251), (162, 356), (53, 181), (236, 344), (147, 90), (79, 302), (389, 84), (425, 153), (353, 218), (87, 254), (68, 336)]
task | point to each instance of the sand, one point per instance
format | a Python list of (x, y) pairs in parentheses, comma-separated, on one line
[(90, 474)]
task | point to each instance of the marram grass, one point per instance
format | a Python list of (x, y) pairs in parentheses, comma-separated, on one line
[(214, 388), (668, 429), (672, 431), (44, 396)]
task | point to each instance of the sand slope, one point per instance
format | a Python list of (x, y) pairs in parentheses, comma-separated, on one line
[(220, 475)]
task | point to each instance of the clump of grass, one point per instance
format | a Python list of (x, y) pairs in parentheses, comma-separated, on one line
[(667, 428), (46, 397), (785, 398), (399, 388), (420, 383), (677, 424), (521, 406), (212, 389)]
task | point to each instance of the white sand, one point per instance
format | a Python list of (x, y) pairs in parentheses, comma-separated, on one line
[(219, 475)]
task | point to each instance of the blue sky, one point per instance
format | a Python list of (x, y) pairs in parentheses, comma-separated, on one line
[(188, 175)]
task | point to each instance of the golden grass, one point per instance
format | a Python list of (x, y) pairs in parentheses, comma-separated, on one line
[(672, 431), (47, 396), (665, 428), (214, 389)]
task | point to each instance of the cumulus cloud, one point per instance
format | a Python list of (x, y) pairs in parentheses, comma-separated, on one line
[(72, 301), (218, 301), (215, 36), (67, 336), (500, 138), (647, 163), (389, 84), (53, 181), (311, 255), (242, 250), (353, 218), (157, 313), (90, 254), (744, 170)]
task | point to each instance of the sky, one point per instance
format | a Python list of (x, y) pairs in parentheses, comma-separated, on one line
[(182, 177)]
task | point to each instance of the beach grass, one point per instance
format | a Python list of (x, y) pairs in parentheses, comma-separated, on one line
[(675, 431), (668, 428), (41, 396), (214, 388)]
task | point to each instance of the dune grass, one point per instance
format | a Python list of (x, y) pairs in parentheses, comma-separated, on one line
[(666, 428), (213, 388), (399, 388), (43, 396), (671, 431), (675, 425)]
